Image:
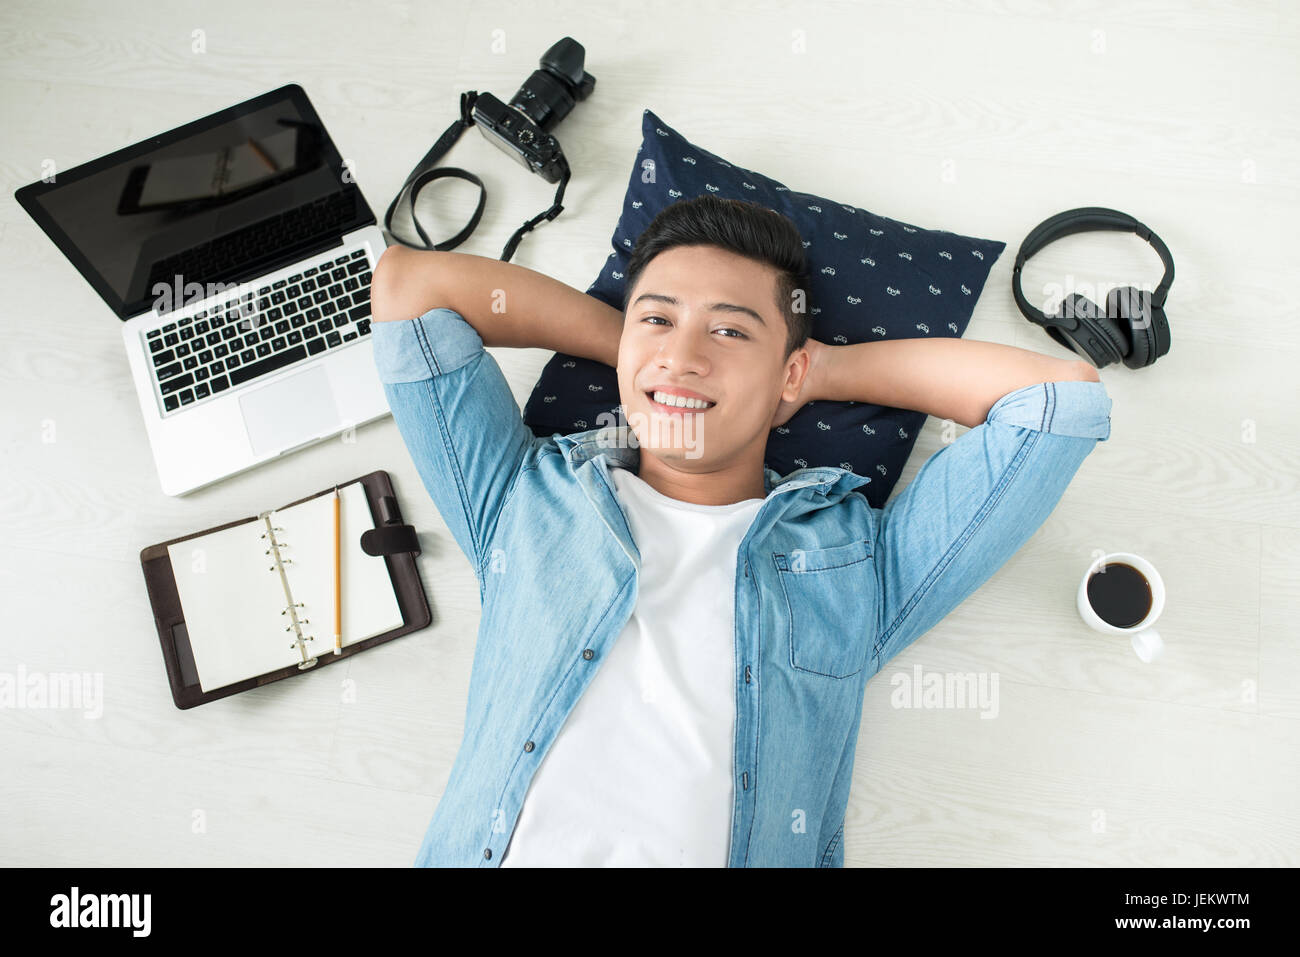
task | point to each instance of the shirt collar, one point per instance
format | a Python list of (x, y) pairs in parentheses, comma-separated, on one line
[(619, 446)]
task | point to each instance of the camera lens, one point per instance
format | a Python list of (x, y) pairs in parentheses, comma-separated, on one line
[(549, 94)]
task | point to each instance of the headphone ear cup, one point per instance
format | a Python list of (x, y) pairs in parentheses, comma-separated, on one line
[(1107, 347), (1130, 308), (1160, 330)]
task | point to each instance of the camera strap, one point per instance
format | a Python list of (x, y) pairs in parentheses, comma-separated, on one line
[(424, 174)]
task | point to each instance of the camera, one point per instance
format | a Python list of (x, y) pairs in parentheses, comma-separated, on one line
[(521, 128)]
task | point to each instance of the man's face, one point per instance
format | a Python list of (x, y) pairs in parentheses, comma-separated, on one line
[(730, 357)]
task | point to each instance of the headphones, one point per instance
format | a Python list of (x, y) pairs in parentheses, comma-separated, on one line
[(1132, 328)]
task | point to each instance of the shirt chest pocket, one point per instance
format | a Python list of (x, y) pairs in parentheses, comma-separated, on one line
[(830, 597)]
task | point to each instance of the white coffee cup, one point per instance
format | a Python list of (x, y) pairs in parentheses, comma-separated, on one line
[(1145, 639)]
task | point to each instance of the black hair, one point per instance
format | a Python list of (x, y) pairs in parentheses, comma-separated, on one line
[(741, 227)]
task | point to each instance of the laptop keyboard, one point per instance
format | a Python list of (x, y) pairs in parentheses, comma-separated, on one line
[(285, 322), (268, 237)]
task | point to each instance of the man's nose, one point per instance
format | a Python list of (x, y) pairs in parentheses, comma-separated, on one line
[(683, 352)]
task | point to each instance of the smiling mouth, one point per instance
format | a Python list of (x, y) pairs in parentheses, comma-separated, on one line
[(672, 409)]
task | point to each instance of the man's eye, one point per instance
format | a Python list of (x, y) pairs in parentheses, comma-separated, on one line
[(738, 333)]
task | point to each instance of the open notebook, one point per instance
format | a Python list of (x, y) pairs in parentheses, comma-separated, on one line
[(251, 591)]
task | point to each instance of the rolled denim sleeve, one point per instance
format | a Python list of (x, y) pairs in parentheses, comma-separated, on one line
[(458, 418), (976, 501), (1080, 409)]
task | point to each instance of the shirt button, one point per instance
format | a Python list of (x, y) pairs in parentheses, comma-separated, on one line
[(588, 654), (487, 852), (528, 746)]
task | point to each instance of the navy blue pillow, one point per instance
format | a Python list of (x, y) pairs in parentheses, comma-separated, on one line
[(870, 278)]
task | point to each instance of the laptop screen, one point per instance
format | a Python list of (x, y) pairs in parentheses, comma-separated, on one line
[(215, 202)]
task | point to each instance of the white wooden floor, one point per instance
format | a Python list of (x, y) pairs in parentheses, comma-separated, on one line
[(978, 117)]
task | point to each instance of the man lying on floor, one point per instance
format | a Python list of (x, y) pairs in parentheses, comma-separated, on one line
[(675, 640)]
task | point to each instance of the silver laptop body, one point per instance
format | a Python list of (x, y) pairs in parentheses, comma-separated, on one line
[(238, 252)]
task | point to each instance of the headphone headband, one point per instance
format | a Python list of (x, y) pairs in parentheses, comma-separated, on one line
[(1086, 218)]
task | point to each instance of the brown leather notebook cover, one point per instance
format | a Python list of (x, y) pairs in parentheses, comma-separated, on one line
[(390, 537)]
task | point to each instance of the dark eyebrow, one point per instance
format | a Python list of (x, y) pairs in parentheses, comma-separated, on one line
[(712, 307)]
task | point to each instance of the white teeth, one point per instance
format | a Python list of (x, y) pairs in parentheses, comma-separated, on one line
[(681, 402)]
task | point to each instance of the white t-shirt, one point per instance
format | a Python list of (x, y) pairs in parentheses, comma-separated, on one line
[(640, 774)]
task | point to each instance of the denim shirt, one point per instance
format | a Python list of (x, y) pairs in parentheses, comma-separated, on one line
[(828, 589)]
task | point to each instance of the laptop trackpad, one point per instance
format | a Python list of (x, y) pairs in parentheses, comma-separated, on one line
[(290, 412)]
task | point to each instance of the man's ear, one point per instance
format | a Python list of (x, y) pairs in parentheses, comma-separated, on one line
[(796, 375), (797, 368)]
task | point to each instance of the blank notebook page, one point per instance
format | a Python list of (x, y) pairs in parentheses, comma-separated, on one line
[(233, 600)]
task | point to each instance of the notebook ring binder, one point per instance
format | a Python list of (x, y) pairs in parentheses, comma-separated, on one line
[(295, 623)]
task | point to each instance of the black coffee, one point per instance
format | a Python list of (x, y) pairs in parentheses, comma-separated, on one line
[(1120, 595)]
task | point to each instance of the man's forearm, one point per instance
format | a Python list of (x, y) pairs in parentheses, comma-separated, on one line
[(507, 304), (958, 379)]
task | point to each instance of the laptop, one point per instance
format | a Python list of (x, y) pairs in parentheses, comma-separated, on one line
[(237, 251)]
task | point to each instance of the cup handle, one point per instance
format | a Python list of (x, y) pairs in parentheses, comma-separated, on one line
[(1147, 644)]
